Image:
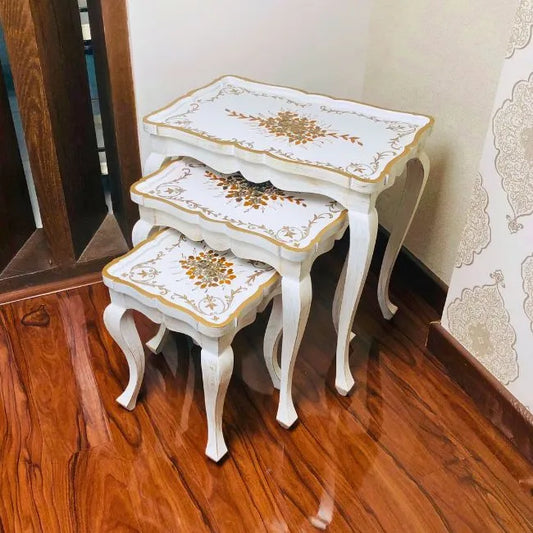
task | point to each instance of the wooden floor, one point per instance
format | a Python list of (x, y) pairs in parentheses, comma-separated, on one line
[(407, 451)]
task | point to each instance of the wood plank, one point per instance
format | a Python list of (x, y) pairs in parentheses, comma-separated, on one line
[(46, 55), (110, 40), (408, 451), (491, 397), (15, 206)]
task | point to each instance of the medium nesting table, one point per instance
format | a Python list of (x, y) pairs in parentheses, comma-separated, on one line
[(256, 222), (309, 143)]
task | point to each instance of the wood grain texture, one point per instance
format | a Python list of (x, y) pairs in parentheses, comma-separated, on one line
[(407, 451), (110, 39), (15, 206), (490, 396), (46, 56)]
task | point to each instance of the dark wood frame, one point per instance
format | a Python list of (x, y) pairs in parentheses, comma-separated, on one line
[(15, 207), (47, 61), (109, 27)]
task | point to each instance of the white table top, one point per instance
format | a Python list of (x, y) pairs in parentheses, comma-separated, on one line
[(176, 275), (290, 220), (291, 130)]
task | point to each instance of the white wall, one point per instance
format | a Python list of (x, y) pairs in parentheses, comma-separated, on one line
[(311, 44), (442, 58)]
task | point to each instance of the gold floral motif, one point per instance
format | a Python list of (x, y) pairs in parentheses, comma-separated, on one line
[(298, 129), (476, 233), (156, 269), (209, 269), (252, 195), (181, 115), (513, 139), (176, 190), (479, 320)]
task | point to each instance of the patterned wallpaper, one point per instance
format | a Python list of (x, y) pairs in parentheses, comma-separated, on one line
[(489, 308)]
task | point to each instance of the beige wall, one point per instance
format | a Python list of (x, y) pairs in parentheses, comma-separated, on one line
[(312, 44), (444, 59)]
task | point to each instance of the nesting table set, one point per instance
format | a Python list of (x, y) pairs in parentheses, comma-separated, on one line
[(247, 184)]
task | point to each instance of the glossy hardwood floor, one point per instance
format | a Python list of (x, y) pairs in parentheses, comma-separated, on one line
[(407, 451)]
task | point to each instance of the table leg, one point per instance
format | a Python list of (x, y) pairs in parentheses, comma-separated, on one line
[(296, 294), (217, 367), (338, 297), (363, 230), (141, 231), (120, 324), (416, 178), (271, 342), (153, 162)]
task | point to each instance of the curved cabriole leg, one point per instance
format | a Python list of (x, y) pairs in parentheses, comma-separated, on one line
[(416, 178), (363, 229), (157, 343), (296, 299), (120, 324), (271, 341), (141, 231), (338, 297), (216, 374)]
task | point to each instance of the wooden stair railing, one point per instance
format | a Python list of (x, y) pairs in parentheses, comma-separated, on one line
[(46, 54)]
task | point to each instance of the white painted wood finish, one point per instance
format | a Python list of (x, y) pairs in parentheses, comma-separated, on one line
[(272, 340), (120, 324), (417, 174), (132, 293), (179, 196)]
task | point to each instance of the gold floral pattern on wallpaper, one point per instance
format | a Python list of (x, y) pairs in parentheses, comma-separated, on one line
[(527, 284), (479, 320), (298, 123), (252, 195), (296, 128), (476, 233), (522, 27), (513, 139), (191, 275)]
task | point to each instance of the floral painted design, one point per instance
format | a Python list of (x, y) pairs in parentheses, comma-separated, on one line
[(297, 129), (479, 320), (513, 139), (188, 186), (476, 233), (190, 276), (527, 284), (522, 27), (209, 269), (252, 195)]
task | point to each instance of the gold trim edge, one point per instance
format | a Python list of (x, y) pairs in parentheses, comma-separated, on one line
[(259, 294), (342, 216), (418, 135)]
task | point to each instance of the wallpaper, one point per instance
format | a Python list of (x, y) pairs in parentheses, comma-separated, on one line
[(489, 308)]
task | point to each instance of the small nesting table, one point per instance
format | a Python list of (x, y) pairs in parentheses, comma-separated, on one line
[(309, 143), (189, 288), (256, 222)]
